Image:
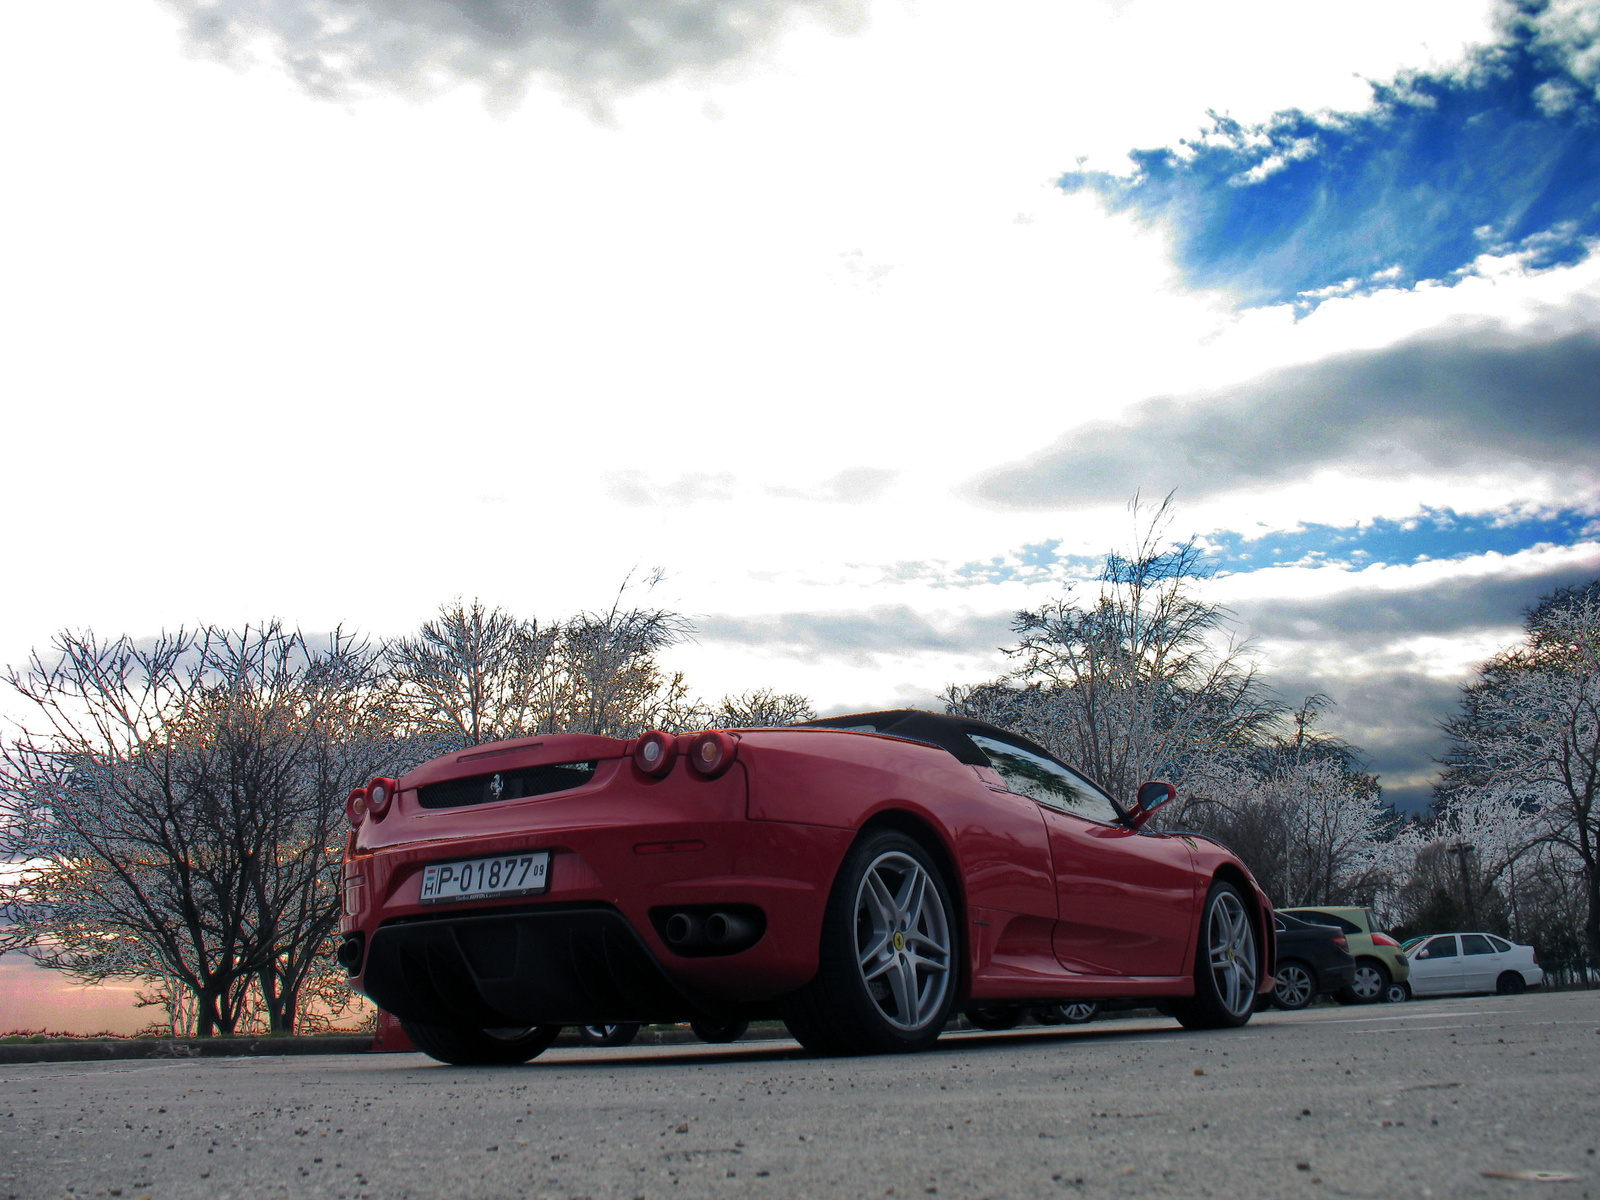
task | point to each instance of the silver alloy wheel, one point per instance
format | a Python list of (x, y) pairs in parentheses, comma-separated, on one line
[(1368, 983), (1077, 1014), (902, 940), (1231, 950), (1398, 993), (1293, 989)]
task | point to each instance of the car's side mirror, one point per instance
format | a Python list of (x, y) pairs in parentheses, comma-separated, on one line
[(1151, 796)]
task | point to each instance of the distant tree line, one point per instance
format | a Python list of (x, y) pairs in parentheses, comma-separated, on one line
[(173, 810)]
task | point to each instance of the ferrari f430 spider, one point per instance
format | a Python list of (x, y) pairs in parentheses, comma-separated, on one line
[(864, 878)]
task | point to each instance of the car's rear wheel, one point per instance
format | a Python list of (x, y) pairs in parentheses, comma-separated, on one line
[(1370, 985), (480, 1047), (719, 1032), (995, 1018), (1226, 965), (886, 973), (1296, 987), (608, 1035), (1510, 983)]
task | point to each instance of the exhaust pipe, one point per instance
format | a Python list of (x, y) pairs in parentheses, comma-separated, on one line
[(727, 930), (684, 930), (349, 952)]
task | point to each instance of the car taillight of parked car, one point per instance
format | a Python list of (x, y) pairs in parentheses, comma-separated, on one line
[(1339, 941), (1536, 958), (1383, 939), (355, 806)]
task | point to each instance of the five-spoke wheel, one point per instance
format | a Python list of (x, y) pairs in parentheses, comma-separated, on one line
[(1226, 965), (1296, 985), (886, 975)]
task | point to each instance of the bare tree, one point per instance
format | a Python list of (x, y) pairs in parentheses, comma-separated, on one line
[(760, 708), (1527, 742), (177, 808), (1141, 681), (476, 675), (1301, 813)]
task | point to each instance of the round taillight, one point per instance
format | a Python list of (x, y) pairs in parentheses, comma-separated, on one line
[(712, 753), (655, 752), (380, 794), (355, 805)]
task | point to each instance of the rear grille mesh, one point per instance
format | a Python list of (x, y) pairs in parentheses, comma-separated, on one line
[(506, 785)]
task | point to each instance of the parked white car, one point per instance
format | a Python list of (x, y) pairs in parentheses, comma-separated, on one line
[(1454, 963)]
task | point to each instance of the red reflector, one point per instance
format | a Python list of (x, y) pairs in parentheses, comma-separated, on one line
[(1338, 940), (668, 847)]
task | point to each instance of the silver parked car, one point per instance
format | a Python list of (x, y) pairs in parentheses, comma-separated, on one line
[(1449, 964)]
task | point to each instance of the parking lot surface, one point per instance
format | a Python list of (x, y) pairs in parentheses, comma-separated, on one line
[(1489, 1096)]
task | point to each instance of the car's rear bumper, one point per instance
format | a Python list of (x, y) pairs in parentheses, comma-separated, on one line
[(564, 965), (1336, 977)]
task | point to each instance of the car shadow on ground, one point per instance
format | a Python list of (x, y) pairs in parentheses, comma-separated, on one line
[(784, 1050)]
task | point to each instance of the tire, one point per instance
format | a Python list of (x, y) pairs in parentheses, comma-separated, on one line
[(480, 1047), (1510, 983), (1068, 1014), (995, 1019), (1398, 993), (1296, 986), (608, 1035), (888, 954), (1226, 967), (1371, 985), (719, 1032)]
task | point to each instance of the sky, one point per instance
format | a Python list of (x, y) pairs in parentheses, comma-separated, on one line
[(863, 320)]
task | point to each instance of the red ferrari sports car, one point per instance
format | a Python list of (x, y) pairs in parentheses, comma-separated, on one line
[(862, 877)]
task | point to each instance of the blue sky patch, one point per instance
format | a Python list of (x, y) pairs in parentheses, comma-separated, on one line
[(1501, 156), (1433, 534)]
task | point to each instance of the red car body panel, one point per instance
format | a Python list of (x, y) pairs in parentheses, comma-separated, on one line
[(1053, 907)]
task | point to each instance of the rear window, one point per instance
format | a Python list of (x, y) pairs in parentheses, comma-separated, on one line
[(1326, 918)]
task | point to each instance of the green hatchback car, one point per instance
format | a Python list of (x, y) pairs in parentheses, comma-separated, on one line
[(1381, 968)]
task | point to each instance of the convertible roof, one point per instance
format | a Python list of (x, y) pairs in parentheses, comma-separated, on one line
[(937, 729)]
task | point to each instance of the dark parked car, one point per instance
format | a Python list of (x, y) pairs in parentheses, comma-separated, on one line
[(1312, 960)]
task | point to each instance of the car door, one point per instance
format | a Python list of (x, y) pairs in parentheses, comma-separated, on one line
[(1436, 967), (1126, 898), (1480, 963)]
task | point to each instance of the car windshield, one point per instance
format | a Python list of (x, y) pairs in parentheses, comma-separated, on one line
[(1410, 942)]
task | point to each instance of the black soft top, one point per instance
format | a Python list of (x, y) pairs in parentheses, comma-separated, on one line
[(937, 729)]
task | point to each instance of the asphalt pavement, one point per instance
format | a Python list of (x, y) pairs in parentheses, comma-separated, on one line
[(1485, 1096)]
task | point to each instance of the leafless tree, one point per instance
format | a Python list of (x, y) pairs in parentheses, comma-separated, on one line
[(177, 807), (1527, 742), (760, 708), (1301, 813), (476, 675), (1139, 682)]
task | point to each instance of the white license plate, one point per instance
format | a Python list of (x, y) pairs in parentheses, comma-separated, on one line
[(475, 878)]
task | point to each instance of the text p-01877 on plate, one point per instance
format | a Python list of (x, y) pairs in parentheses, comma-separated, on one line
[(474, 878)]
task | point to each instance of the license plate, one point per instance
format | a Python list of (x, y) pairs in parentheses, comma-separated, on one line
[(475, 878)]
